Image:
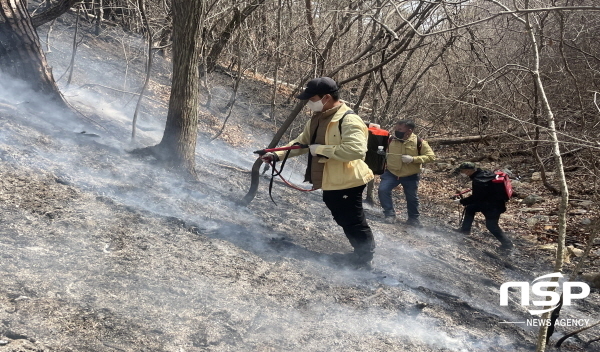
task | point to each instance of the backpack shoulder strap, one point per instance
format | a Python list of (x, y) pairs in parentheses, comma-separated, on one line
[(419, 144), (342, 119)]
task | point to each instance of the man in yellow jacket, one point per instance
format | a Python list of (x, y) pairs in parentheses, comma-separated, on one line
[(406, 153), (335, 163)]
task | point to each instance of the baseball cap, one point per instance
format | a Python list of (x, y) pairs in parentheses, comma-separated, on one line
[(464, 166), (318, 86)]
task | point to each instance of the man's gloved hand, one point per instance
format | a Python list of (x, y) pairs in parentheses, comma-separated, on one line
[(457, 200), (313, 149), (269, 157), (407, 159)]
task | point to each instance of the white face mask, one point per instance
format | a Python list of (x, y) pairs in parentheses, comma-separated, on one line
[(463, 175), (316, 106)]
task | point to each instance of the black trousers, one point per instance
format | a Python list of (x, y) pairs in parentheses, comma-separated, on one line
[(347, 210), (491, 214)]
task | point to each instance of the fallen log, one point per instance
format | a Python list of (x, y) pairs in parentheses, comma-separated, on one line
[(472, 139), (458, 140)]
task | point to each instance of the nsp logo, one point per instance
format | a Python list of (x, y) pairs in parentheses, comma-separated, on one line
[(539, 289)]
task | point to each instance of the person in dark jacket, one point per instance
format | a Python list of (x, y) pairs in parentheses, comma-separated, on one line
[(486, 197)]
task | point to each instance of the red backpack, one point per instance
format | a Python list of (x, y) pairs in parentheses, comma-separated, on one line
[(503, 178)]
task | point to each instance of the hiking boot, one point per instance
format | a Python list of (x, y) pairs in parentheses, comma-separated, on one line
[(390, 219), (362, 259), (413, 223), (462, 231), (353, 260), (342, 259), (366, 265), (507, 246)]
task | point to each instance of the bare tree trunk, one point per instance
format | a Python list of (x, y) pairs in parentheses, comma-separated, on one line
[(277, 64), (366, 87), (87, 5), (164, 36), (561, 46), (99, 16), (50, 28), (564, 196), (236, 86), (536, 152), (206, 83), (74, 53), (21, 55), (178, 145), (312, 34), (150, 37), (375, 107)]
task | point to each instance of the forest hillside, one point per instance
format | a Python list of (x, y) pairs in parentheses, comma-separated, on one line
[(102, 249)]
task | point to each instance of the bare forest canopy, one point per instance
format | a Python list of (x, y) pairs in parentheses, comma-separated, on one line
[(459, 68)]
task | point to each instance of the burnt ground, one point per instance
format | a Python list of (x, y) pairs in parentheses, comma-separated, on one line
[(103, 251)]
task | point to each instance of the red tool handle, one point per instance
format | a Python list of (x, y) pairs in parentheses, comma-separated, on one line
[(265, 151), (459, 195)]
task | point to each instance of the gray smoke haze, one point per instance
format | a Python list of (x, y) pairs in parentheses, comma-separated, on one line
[(102, 166)]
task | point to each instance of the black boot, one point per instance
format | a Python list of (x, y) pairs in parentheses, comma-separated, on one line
[(362, 260), (413, 222), (506, 243), (462, 231), (361, 238)]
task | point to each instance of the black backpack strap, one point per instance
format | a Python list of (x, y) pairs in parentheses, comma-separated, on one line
[(342, 120)]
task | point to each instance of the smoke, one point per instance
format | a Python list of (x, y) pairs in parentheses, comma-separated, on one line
[(102, 166), (51, 143)]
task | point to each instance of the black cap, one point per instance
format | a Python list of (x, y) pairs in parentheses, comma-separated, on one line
[(318, 86), (467, 165)]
